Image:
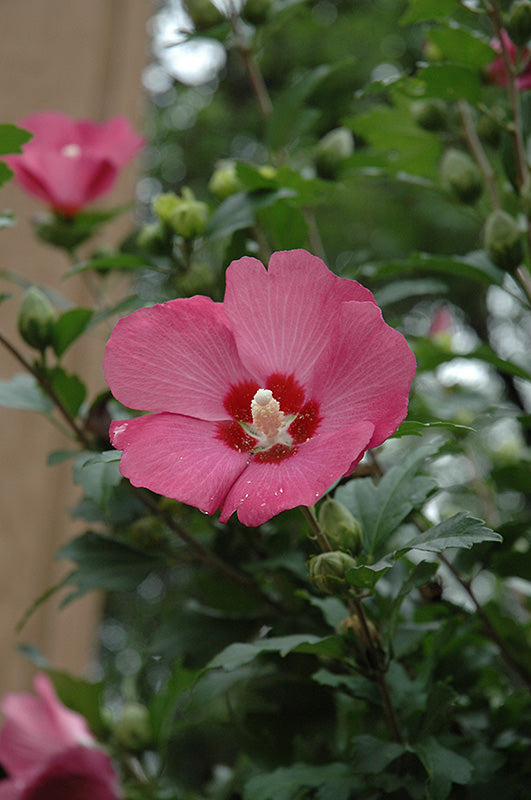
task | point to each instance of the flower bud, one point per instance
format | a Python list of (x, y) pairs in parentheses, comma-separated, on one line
[(430, 114), (204, 14), (152, 237), (518, 24), (65, 232), (328, 571), (224, 181), (133, 729), (268, 172), (503, 240), (184, 215), (461, 176), (332, 150), (164, 205), (341, 529), (36, 319)]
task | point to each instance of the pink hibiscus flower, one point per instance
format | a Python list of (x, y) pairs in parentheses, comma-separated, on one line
[(69, 163), (48, 751), (496, 69), (260, 402)]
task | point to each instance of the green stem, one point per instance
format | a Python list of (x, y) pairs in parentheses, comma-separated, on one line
[(206, 556), (493, 634), (478, 152), (46, 386)]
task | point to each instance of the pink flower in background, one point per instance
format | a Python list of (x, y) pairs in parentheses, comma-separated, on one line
[(48, 751), (69, 163), (260, 402), (496, 69)]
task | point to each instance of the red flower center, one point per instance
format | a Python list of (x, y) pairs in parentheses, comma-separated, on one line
[(269, 422)]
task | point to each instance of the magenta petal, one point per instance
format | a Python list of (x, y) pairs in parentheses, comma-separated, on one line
[(179, 457), (365, 373), (79, 773), (178, 356), (50, 129), (11, 790), (282, 317), (265, 489), (37, 727), (114, 140)]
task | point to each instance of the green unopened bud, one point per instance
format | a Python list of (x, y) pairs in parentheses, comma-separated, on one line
[(204, 14), (461, 175), (332, 150), (490, 126), (341, 529), (518, 22), (328, 571), (256, 11), (503, 240), (164, 205), (199, 279), (36, 319), (430, 114), (152, 237), (190, 216), (224, 181), (133, 729)]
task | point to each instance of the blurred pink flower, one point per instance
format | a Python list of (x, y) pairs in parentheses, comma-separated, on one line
[(48, 751), (263, 401), (69, 163), (496, 69)]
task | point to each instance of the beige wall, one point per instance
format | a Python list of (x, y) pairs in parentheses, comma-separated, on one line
[(83, 58)]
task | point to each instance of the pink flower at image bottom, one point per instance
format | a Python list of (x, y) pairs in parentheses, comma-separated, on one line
[(49, 752), (260, 403)]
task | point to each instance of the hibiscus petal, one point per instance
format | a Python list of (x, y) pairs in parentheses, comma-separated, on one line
[(51, 129), (265, 489), (114, 140), (282, 318), (179, 457), (178, 356), (78, 773), (365, 372), (36, 728), (65, 183)]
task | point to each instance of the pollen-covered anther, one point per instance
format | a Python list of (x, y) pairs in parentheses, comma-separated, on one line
[(267, 416)]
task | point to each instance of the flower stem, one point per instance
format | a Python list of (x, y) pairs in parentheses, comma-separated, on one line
[(478, 152), (493, 634), (207, 556), (377, 662), (47, 387)]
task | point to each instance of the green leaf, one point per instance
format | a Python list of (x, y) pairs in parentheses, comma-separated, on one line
[(12, 139), (430, 354), (70, 389), (285, 783), (98, 474), (451, 82), (413, 428), (366, 576), (371, 755), (405, 290), (425, 10), (457, 531), (115, 262), (474, 266), (380, 509), (5, 174), (68, 327), (462, 46), (106, 564), (240, 653), (238, 211), (23, 392), (440, 700), (395, 132), (421, 573), (443, 766), (82, 696)]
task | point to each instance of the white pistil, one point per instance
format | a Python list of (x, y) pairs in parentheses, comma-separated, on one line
[(268, 419), (71, 150)]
